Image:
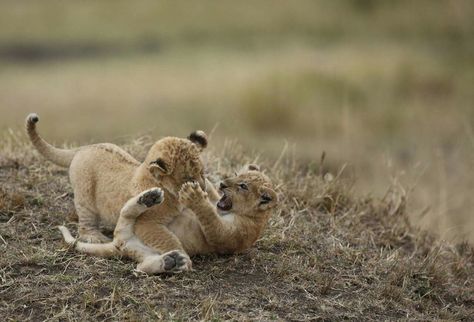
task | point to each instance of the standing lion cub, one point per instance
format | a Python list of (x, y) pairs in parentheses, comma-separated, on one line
[(104, 177)]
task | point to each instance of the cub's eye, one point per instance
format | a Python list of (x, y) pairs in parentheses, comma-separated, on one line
[(243, 186)]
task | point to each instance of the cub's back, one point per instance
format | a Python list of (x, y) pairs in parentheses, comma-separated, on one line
[(100, 175)]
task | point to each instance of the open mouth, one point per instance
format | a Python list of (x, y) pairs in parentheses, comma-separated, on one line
[(225, 203)]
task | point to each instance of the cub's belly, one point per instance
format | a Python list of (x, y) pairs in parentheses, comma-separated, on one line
[(186, 227)]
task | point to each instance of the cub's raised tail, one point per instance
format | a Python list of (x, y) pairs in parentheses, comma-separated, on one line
[(61, 157)]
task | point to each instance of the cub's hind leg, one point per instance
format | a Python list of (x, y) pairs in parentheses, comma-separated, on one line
[(134, 207), (150, 261), (125, 242), (89, 225), (159, 238)]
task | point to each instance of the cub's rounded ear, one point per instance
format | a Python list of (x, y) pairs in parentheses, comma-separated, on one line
[(159, 167), (253, 167), (199, 138), (268, 198), (246, 168)]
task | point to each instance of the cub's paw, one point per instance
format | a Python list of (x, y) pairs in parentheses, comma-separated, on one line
[(151, 197), (191, 193), (176, 261)]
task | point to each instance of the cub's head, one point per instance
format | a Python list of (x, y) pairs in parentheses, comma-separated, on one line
[(248, 193), (174, 161)]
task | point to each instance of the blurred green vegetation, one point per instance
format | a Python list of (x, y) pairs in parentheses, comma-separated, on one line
[(385, 86), (233, 23)]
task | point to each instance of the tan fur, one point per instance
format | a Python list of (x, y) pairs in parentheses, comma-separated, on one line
[(104, 177), (205, 228), (201, 229), (126, 243), (59, 156)]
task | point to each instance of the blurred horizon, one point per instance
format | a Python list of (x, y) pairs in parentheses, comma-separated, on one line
[(385, 87)]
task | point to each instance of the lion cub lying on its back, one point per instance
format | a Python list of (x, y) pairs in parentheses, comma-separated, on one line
[(230, 224), (125, 242), (104, 177)]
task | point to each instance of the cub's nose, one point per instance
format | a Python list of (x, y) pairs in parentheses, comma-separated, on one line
[(223, 186)]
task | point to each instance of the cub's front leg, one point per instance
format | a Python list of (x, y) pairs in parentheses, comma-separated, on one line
[(218, 233)]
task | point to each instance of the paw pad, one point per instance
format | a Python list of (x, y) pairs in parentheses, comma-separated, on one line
[(151, 197), (175, 261)]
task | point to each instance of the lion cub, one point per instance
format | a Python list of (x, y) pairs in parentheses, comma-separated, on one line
[(126, 243), (104, 177), (230, 224)]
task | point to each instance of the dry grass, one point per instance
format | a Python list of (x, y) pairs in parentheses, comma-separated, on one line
[(328, 253), (382, 86), (371, 82)]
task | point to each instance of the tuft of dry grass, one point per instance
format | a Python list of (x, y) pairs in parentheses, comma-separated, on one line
[(328, 253)]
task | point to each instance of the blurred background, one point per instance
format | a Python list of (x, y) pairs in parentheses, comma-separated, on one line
[(385, 87)]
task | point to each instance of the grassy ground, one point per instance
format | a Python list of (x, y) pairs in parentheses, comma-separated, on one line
[(383, 87), (327, 253)]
